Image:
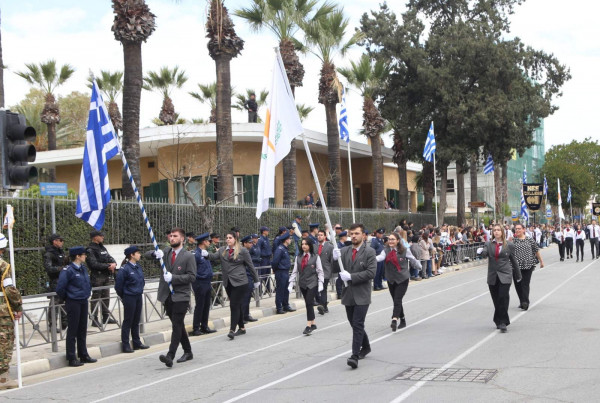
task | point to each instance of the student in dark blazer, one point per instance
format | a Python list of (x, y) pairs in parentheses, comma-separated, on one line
[(360, 265), (234, 260), (181, 273), (325, 251), (502, 266)]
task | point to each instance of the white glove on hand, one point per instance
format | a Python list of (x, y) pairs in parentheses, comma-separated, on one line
[(168, 277), (479, 251), (336, 254), (204, 253), (158, 254), (256, 285), (320, 287), (291, 288), (7, 282), (345, 276)]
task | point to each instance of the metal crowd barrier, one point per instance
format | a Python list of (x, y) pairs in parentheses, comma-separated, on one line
[(460, 253)]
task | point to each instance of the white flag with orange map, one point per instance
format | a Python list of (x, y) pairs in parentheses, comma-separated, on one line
[(282, 125), (561, 215)]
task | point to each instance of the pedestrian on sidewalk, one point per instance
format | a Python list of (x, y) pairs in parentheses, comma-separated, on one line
[(202, 287), (528, 255), (129, 286), (397, 273), (502, 266), (360, 266), (425, 246), (308, 274), (281, 267), (74, 287)]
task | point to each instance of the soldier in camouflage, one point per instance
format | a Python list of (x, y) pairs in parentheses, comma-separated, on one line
[(11, 309)]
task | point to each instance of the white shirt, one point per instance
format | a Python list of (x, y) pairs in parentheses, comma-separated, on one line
[(559, 235), (509, 235), (594, 231), (569, 233), (538, 235), (580, 235)]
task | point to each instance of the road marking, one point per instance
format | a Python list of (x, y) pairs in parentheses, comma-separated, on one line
[(460, 357)]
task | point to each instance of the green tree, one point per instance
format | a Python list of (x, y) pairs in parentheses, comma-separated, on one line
[(570, 174), (208, 95), (164, 82), (112, 86), (304, 111)]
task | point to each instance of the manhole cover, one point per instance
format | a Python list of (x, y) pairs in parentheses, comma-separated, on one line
[(446, 375)]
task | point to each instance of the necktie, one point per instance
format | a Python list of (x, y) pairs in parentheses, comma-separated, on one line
[(173, 256), (230, 253), (593, 231), (354, 254), (498, 246), (320, 249), (304, 261)]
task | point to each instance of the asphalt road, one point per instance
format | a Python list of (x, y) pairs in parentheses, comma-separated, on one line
[(550, 353)]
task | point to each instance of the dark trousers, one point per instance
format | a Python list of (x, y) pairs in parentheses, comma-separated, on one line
[(323, 295), (176, 312), (356, 316), (501, 297), (202, 294), (309, 295), (282, 294), (252, 117), (236, 303), (247, 297), (397, 291), (522, 287), (579, 247), (561, 250), (595, 247), (378, 280), (132, 312), (339, 285), (569, 246), (60, 318), (77, 316)]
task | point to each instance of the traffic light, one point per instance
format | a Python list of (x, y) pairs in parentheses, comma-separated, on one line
[(17, 152)]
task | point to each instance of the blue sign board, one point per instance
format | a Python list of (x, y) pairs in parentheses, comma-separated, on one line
[(548, 211), (53, 189)]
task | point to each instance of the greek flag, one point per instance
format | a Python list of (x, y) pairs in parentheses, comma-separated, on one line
[(545, 186), (429, 145), (489, 165), (569, 195), (100, 146), (524, 213), (344, 133), (524, 175)]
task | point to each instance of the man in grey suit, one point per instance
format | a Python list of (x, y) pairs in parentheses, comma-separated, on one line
[(181, 273), (360, 266), (325, 252)]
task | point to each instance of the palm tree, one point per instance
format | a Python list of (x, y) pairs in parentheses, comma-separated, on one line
[(48, 78), (133, 24), (327, 37), (304, 111), (368, 78), (223, 45), (112, 86), (240, 100), (164, 81), (208, 94), (1, 79), (283, 18)]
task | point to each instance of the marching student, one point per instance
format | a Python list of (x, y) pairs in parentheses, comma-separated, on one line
[(526, 251), (560, 240), (308, 274), (594, 230), (579, 241), (569, 236), (325, 252)]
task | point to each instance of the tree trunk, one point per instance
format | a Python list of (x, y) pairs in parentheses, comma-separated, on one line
[(224, 136), (428, 182), (473, 172), (290, 187), (1, 76), (377, 172), (497, 193), (132, 91), (443, 193), (460, 193), (333, 152), (52, 146), (504, 186), (403, 203)]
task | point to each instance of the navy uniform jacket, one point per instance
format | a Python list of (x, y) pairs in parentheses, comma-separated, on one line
[(314, 239), (130, 280), (74, 282), (377, 244), (255, 255), (281, 259), (204, 270), (264, 246)]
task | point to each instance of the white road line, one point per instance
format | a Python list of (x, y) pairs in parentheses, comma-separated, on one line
[(460, 357)]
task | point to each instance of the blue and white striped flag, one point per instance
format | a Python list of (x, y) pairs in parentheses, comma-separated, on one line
[(489, 165), (100, 146), (524, 175), (344, 133), (569, 195), (429, 145), (524, 213), (545, 186)]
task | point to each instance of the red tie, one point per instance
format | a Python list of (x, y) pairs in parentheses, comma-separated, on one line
[(498, 246), (304, 261), (354, 254), (230, 253), (173, 256), (593, 231), (320, 249)]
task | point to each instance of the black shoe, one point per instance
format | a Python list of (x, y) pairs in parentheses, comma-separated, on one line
[(307, 330), (352, 361), (525, 306), (577, 260), (562, 259), (126, 348), (280, 312), (185, 357), (240, 332), (402, 323), (207, 330), (313, 327), (321, 309), (166, 359), (394, 325), (289, 309), (326, 310), (88, 360), (250, 319), (502, 328), (196, 332), (141, 347), (363, 353), (231, 334), (75, 363)]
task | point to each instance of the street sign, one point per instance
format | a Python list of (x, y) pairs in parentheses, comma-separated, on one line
[(53, 189), (548, 211), (473, 204), (533, 193), (515, 215), (596, 209)]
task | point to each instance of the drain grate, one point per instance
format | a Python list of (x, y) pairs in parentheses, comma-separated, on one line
[(446, 375)]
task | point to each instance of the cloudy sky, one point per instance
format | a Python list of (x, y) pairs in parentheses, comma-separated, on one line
[(78, 32)]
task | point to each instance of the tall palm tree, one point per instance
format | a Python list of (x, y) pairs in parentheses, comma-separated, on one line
[(208, 94), (283, 18), (223, 45), (112, 86), (327, 37), (48, 78), (133, 24), (165, 81), (368, 77), (1, 78), (304, 111), (240, 100)]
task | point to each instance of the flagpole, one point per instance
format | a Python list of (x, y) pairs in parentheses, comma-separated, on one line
[(351, 185), (11, 253), (435, 192)]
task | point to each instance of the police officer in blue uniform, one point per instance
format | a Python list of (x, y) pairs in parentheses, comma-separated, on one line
[(281, 267), (314, 230), (129, 286), (265, 247), (255, 251), (202, 287), (248, 244), (277, 241), (74, 287), (377, 244)]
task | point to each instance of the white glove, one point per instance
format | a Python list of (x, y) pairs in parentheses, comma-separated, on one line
[(168, 277), (345, 276), (336, 254), (158, 254), (256, 285), (291, 287), (479, 251), (7, 282), (204, 253), (320, 287)]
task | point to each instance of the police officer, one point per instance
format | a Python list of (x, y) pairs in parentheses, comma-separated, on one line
[(277, 241), (74, 287), (101, 265), (314, 230), (202, 287), (11, 309), (377, 244), (264, 245), (281, 267), (129, 285), (255, 251), (54, 261), (248, 244)]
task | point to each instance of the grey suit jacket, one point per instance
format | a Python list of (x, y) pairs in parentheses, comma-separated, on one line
[(362, 271), (506, 264), (234, 270), (326, 258), (184, 274)]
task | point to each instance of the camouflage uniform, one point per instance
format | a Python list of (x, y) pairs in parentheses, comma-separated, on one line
[(10, 303)]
